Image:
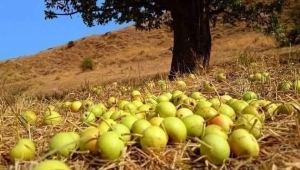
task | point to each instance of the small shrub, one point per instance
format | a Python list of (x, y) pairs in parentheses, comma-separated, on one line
[(246, 58), (70, 44), (87, 64), (112, 36)]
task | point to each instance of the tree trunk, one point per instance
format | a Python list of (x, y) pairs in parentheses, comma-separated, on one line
[(192, 38)]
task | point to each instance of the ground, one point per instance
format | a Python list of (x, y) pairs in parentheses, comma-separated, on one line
[(133, 60), (119, 55)]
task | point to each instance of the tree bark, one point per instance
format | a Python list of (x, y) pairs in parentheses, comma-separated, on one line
[(192, 37)]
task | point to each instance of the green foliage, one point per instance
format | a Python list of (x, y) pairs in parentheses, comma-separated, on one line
[(87, 64), (150, 14), (256, 14), (291, 30)]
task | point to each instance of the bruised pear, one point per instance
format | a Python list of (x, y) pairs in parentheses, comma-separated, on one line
[(223, 121)]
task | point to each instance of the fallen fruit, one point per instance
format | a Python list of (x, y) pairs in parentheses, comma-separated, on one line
[(246, 121), (243, 144), (51, 165), (175, 129), (110, 145), (122, 129), (223, 121), (153, 138), (194, 125), (89, 138), (140, 125), (128, 120), (183, 112), (206, 112), (29, 117), (249, 95), (76, 106), (52, 118), (64, 142), (216, 149), (215, 129), (165, 109), (24, 150)]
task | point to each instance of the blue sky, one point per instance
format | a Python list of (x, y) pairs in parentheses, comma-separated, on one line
[(24, 31)]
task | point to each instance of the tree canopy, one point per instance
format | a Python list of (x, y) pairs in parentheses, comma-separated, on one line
[(150, 14), (190, 20)]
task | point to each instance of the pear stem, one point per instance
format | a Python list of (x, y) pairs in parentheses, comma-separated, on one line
[(202, 142), (203, 129), (93, 124), (131, 142), (57, 149), (75, 125), (253, 125), (106, 123), (132, 134)]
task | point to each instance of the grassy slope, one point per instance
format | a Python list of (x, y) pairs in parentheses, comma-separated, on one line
[(123, 54), (127, 54)]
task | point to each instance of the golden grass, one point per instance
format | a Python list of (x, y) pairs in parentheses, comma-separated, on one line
[(132, 59), (117, 55), (279, 143)]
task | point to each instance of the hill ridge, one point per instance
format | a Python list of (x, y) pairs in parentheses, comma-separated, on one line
[(120, 54)]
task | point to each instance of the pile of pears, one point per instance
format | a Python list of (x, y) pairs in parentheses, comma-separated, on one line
[(223, 126)]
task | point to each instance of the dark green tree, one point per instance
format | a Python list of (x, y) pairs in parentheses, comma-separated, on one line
[(292, 25), (190, 20)]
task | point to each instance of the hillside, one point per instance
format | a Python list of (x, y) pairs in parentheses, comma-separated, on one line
[(119, 55)]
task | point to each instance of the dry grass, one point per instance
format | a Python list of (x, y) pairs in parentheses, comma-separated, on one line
[(279, 143), (133, 59), (117, 55)]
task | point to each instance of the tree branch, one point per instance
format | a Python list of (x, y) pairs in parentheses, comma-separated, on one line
[(70, 13), (216, 12), (120, 7), (168, 4)]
